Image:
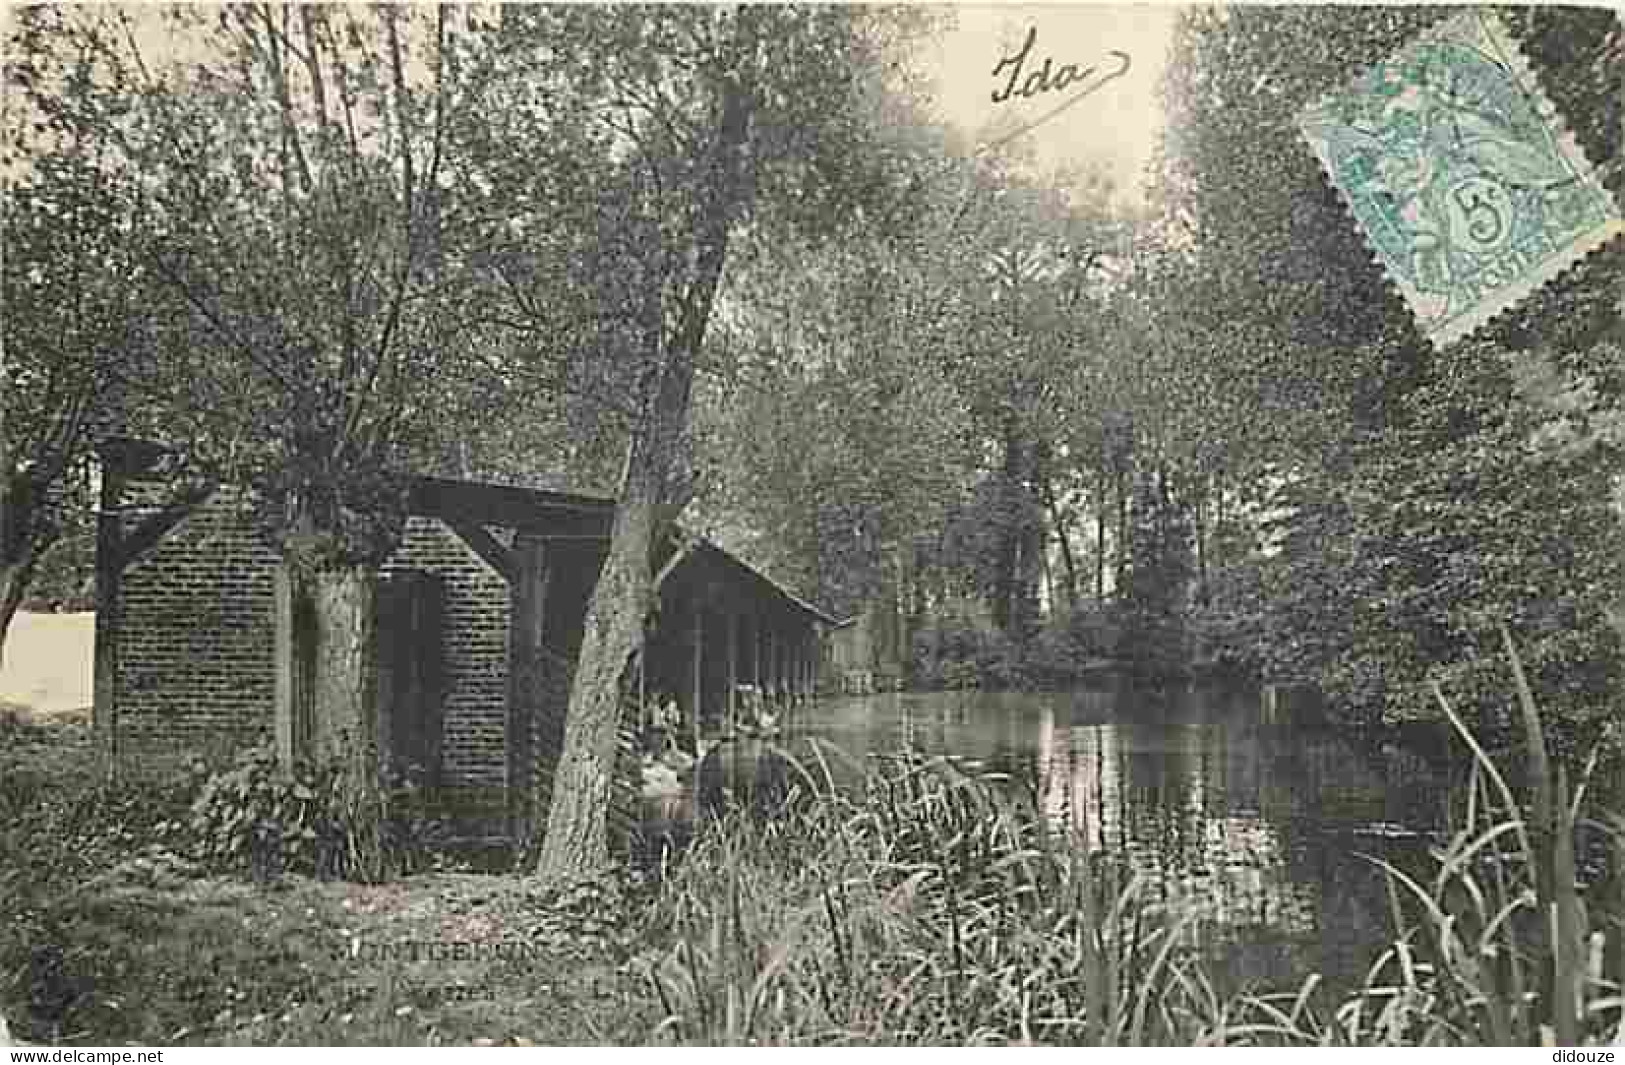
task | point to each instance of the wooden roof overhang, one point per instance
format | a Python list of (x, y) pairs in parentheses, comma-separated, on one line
[(470, 506)]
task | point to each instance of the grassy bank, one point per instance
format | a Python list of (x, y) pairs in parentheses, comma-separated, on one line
[(933, 908)]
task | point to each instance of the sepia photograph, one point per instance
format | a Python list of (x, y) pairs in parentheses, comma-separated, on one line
[(811, 524)]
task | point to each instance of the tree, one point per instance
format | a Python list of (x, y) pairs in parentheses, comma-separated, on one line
[(727, 117), (73, 347), (843, 431), (900, 424), (290, 170), (1370, 594), (1157, 578)]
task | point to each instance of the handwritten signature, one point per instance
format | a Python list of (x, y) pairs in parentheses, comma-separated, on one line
[(1041, 80)]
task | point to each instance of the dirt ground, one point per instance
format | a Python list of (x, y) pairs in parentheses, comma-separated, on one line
[(151, 957), (48, 664)]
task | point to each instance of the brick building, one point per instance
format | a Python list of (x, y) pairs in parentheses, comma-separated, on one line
[(480, 613)]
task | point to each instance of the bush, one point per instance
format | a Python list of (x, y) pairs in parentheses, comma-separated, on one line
[(1095, 631), (1397, 566), (316, 820), (961, 654)]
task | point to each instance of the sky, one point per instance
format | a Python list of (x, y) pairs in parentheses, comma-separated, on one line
[(1115, 127)]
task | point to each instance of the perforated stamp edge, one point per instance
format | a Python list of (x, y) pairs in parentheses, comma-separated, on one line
[(1510, 52)]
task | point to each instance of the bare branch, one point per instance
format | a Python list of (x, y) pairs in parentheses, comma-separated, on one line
[(686, 548), (218, 324), (313, 65), (292, 151), (383, 351)]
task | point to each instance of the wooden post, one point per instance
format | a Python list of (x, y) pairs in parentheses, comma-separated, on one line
[(527, 597), (753, 637), (292, 698), (772, 661), (696, 671), (733, 668), (787, 665), (109, 577), (801, 669)]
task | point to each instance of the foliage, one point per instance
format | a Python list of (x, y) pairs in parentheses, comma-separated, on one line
[(64, 577), (1415, 499), (110, 932), (932, 906), (1460, 524), (312, 259), (61, 824), (799, 933), (1498, 947), (954, 651), (313, 819), (61, 820), (76, 350), (1158, 580), (1229, 626)]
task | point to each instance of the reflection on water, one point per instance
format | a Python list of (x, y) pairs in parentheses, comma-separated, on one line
[(1261, 829)]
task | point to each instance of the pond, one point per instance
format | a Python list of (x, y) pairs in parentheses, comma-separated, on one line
[(1267, 825)]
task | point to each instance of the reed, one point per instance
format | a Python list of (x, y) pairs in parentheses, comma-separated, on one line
[(1502, 944), (938, 906), (934, 909)]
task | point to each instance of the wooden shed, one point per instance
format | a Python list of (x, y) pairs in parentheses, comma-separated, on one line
[(481, 609)]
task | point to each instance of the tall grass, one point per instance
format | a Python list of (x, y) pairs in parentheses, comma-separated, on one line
[(1502, 944), (940, 907), (934, 909)]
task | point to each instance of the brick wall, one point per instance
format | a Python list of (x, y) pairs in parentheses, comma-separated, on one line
[(195, 638), (474, 637)]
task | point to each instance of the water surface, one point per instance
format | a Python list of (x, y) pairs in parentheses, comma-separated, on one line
[(1264, 827)]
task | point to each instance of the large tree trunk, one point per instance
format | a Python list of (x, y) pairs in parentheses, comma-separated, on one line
[(1125, 540), (1008, 587), (1019, 541), (1201, 535), (326, 681), (1029, 551), (18, 549), (1062, 536), (14, 580), (576, 841), (344, 605)]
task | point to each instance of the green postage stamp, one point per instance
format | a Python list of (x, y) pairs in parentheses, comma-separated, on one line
[(1464, 178)]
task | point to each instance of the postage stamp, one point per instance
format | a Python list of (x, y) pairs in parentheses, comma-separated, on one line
[(1462, 175)]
